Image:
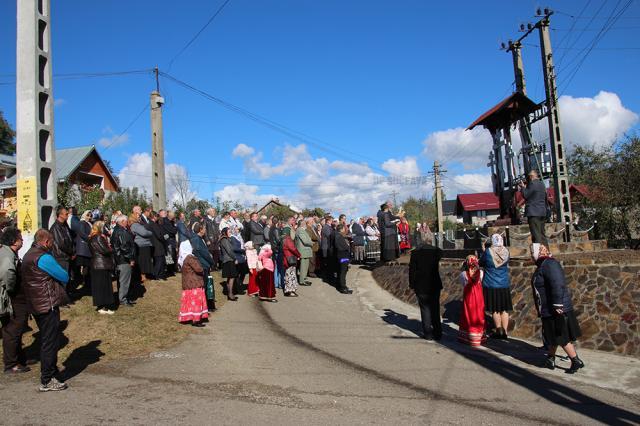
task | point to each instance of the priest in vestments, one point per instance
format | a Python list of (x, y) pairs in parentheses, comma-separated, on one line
[(390, 250)]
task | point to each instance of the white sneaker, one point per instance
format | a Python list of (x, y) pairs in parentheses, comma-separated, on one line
[(110, 312), (102, 311)]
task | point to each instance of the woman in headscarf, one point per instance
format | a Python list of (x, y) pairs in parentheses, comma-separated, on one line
[(471, 324), (142, 239), (229, 262), (496, 284), (266, 269), (193, 304), (102, 266), (291, 256), (403, 235), (553, 301), (83, 252)]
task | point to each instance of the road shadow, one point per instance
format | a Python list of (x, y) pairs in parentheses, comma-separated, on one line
[(556, 393), (81, 358)]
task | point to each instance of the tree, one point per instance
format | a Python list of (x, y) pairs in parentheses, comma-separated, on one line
[(7, 137), (419, 210), (192, 204), (317, 211), (611, 175), (125, 199), (71, 195), (227, 205), (182, 186)]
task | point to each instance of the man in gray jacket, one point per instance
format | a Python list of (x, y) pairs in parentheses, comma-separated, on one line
[(13, 304), (304, 245), (535, 195)]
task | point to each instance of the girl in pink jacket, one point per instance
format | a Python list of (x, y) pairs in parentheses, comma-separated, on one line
[(252, 264), (265, 269)]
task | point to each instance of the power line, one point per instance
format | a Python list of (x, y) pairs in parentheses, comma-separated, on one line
[(273, 125), (583, 48), (83, 75), (137, 117), (195, 37)]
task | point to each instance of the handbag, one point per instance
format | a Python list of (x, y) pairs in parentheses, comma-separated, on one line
[(209, 289), (292, 260)]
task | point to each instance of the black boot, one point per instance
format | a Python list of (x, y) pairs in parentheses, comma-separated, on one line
[(576, 364), (550, 362)]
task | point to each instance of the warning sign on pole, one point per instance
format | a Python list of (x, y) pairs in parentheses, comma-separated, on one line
[(27, 204)]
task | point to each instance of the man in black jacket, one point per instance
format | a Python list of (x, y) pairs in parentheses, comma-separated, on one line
[(256, 232), (125, 254), (424, 279), (167, 222), (63, 246), (535, 195), (158, 240), (212, 237)]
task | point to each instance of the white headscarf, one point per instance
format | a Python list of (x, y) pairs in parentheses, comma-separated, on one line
[(499, 252), (185, 250)]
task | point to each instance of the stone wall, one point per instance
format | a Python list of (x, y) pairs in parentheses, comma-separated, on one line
[(606, 297)]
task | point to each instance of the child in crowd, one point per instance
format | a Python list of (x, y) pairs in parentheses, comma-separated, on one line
[(252, 264), (265, 268)]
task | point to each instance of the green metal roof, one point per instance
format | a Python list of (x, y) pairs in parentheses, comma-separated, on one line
[(67, 161)]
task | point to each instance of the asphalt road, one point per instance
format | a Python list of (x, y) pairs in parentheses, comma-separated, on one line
[(328, 358)]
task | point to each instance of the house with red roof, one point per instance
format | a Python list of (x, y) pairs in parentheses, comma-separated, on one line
[(477, 209)]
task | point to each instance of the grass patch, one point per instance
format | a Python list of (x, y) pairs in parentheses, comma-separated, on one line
[(88, 337)]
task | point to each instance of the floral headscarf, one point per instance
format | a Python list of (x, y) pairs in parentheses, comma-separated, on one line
[(499, 253)]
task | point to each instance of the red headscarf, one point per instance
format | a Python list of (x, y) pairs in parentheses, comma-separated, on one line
[(473, 269)]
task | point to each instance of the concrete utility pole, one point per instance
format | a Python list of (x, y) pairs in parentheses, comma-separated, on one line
[(524, 126), (438, 184), (157, 150), (35, 161), (561, 179)]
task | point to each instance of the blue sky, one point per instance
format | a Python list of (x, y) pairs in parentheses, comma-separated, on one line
[(382, 80)]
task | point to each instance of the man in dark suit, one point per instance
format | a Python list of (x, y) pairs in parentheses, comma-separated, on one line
[(535, 209), (424, 279), (326, 248)]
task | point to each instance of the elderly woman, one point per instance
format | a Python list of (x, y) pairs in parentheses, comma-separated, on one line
[(102, 266), (553, 301), (496, 285), (291, 256), (193, 303), (229, 262), (83, 253), (142, 238)]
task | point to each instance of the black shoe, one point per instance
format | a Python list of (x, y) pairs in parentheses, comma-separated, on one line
[(17, 369), (232, 299), (306, 283), (345, 290), (427, 336), (197, 324), (550, 362), (576, 364)]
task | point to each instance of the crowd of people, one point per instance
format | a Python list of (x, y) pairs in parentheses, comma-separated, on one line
[(487, 290), (84, 254)]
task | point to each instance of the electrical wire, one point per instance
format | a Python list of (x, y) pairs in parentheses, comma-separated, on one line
[(273, 125), (195, 37), (137, 117), (79, 76)]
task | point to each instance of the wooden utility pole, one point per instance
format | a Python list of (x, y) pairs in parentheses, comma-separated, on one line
[(438, 185)]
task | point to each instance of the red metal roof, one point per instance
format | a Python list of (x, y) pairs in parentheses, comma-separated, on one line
[(478, 201), (508, 111)]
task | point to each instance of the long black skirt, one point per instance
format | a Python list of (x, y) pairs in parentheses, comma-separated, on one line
[(497, 299), (145, 260), (101, 287), (229, 270), (559, 330)]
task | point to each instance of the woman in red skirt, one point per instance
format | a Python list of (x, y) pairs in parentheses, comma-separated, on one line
[(252, 264), (193, 305), (403, 234), (265, 269), (471, 324)]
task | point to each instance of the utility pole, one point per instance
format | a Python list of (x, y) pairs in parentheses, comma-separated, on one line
[(524, 125), (35, 160), (437, 171), (159, 184), (561, 179), (394, 194)]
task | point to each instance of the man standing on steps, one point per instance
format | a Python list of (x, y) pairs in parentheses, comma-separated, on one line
[(535, 209), (424, 279)]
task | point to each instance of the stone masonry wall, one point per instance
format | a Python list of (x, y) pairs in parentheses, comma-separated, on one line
[(606, 298)]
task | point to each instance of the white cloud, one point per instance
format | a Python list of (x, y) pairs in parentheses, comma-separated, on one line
[(247, 195), (112, 140), (406, 167), (466, 183), (467, 147), (596, 121), (136, 173), (242, 151)]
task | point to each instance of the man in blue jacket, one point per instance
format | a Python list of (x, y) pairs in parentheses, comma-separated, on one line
[(43, 280)]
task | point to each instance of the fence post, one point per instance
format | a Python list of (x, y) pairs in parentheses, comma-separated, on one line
[(596, 230), (508, 237)]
